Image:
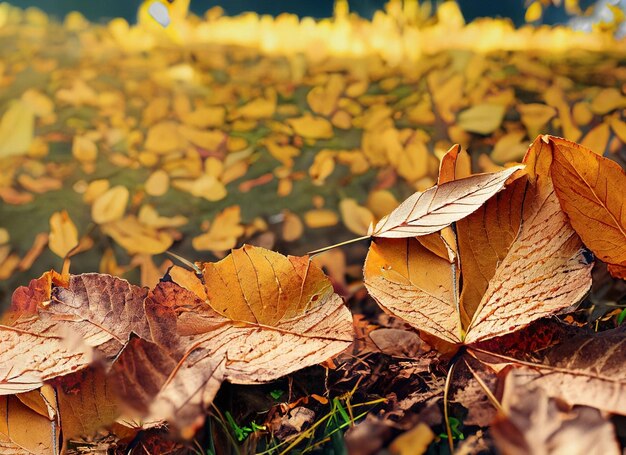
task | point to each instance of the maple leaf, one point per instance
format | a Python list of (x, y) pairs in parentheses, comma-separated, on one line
[(430, 211), (498, 286), (267, 315), (591, 191)]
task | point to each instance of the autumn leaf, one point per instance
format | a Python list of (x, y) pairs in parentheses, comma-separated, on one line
[(590, 189), (504, 290), (268, 315), (585, 370), (432, 210), (533, 422), (63, 234)]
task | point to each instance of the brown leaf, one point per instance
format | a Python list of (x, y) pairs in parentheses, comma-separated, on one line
[(432, 210), (514, 274), (536, 423), (28, 423), (591, 191), (584, 370), (269, 315)]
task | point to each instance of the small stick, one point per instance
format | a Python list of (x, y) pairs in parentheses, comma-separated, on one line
[(347, 242)]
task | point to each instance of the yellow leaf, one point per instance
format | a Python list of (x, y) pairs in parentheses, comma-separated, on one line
[(158, 183), (619, 128), (509, 148), (110, 205), (311, 127), (323, 165), (205, 186), (223, 232), (533, 12), (136, 237), (292, 226), (4, 236), (356, 217), (381, 203), (607, 100), (412, 163), (164, 137), (205, 117), (16, 129), (95, 189), (597, 139), (63, 234), (581, 113), (482, 118), (535, 116), (84, 149), (414, 441), (41, 104), (208, 140), (150, 217), (319, 218)]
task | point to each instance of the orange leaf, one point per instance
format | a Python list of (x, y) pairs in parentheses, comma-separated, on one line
[(591, 191)]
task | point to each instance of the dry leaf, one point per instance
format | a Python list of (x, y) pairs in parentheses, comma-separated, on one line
[(320, 218), (158, 183), (269, 315), (482, 118), (63, 234), (16, 129), (292, 226), (413, 442), (110, 205), (84, 149), (223, 233), (590, 189), (534, 423), (136, 237), (355, 217), (432, 210), (312, 127), (422, 287)]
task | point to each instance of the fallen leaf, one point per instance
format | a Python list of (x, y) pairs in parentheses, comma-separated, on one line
[(84, 149), (533, 422), (590, 189), (320, 218), (414, 441), (355, 217), (110, 205), (136, 237), (482, 118), (158, 183), (292, 226), (400, 272), (432, 210), (535, 116), (269, 315), (16, 129), (597, 139), (223, 232), (312, 127), (607, 100), (63, 234)]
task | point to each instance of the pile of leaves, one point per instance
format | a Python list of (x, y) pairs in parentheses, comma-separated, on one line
[(479, 265), (119, 142)]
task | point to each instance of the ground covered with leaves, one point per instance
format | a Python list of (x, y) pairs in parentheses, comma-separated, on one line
[(486, 315)]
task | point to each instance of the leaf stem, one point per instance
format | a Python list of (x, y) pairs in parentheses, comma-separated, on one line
[(446, 416), (347, 242)]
